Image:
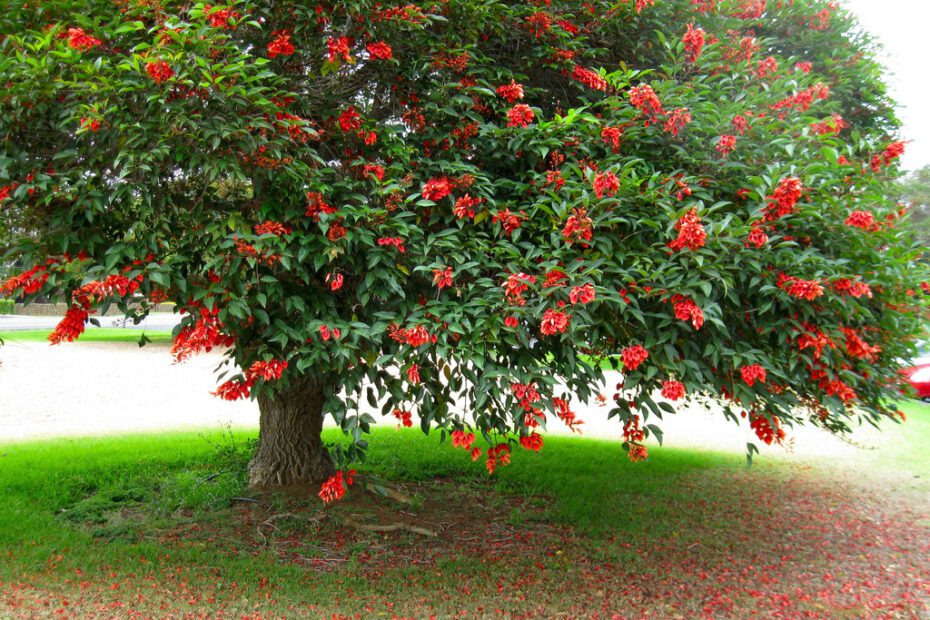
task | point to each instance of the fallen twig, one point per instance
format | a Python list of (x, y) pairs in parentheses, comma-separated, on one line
[(393, 527)]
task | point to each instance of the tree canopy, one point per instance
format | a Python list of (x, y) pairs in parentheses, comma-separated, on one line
[(461, 212)]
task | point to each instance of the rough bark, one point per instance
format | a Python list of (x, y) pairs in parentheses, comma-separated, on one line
[(290, 451)]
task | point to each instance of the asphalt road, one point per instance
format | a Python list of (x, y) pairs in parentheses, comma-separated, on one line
[(157, 321)]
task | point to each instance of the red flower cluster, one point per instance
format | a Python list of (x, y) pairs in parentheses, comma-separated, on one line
[(802, 289), (515, 286), (404, 417), (220, 17), (766, 68), (611, 136), (533, 441), (461, 439), (442, 278), (673, 390), (350, 120), (337, 48), (783, 200), (508, 220), (583, 294), (31, 281), (497, 455), (336, 280), (694, 43), (465, 207), (335, 487), (511, 92), (566, 414), (578, 227), (589, 78), (520, 115), (677, 120), (633, 356), (267, 371), (691, 232), (326, 333), (281, 44), (316, 205), (752, 373), (725, 144), (857, 288), (413, 374), (644, 99), (272, 228), (80, 40), (606, 184), (380, 51), (397, 242), (857, 347), (862, 219), (159, 71), (764, 429), (687, 310), (436, 189), (414, 336), (71, 326), (553, 322), (202, 335), (757, 237)]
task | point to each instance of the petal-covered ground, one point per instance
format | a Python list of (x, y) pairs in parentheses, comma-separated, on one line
[(786, 541)]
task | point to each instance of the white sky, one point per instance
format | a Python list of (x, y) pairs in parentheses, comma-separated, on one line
[(902, 28)]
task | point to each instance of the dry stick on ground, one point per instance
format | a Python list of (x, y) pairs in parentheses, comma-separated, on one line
[(393, 527)]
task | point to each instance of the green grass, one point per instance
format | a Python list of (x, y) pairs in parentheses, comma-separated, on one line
[(91, 335), (112, 504)]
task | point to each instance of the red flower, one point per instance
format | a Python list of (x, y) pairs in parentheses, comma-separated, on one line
[(515, 286), (691, 232), (578, 227), (740, 124), (583, 294), (80, 40), (589, 78), (335, 487), (338, 48), (753, 373), (611, 136), (350, 120), (272, 228), (509, 220), (397, 242), (804, 67), (442, 277), (511, 321), (766, 68), (159, 71), (335, 281), (725, 144), (633, 356), (520, 115), (280, 45), (783, 200), (686, 310), (756, 237), (404, 417), (644, 99), (380, 51), (326, 333), (553, 322), (606, 184), (694, 42), (413, 374), (465, 207), (533, 441), (673, 390), (71, 326), (373, 170), (436, 189), (269, 371), (861, 219), (461, 439), (804, 289), (316, 205), (566, 414), (220, 17), (677, 120), (764, 429), (637, 453), (511, 92), (233, 390)]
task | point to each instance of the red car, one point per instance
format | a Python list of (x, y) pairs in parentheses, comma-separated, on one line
[(918, 373)]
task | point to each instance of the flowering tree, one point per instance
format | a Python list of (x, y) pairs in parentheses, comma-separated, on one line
[(462, 211)]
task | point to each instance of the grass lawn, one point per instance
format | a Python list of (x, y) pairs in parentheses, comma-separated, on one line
[(163, 525), (93, 334)]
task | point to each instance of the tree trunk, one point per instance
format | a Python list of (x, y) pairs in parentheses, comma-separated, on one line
[(290, 451)]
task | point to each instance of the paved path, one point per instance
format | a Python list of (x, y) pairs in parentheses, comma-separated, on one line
[(102, 388), (157, 321)]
